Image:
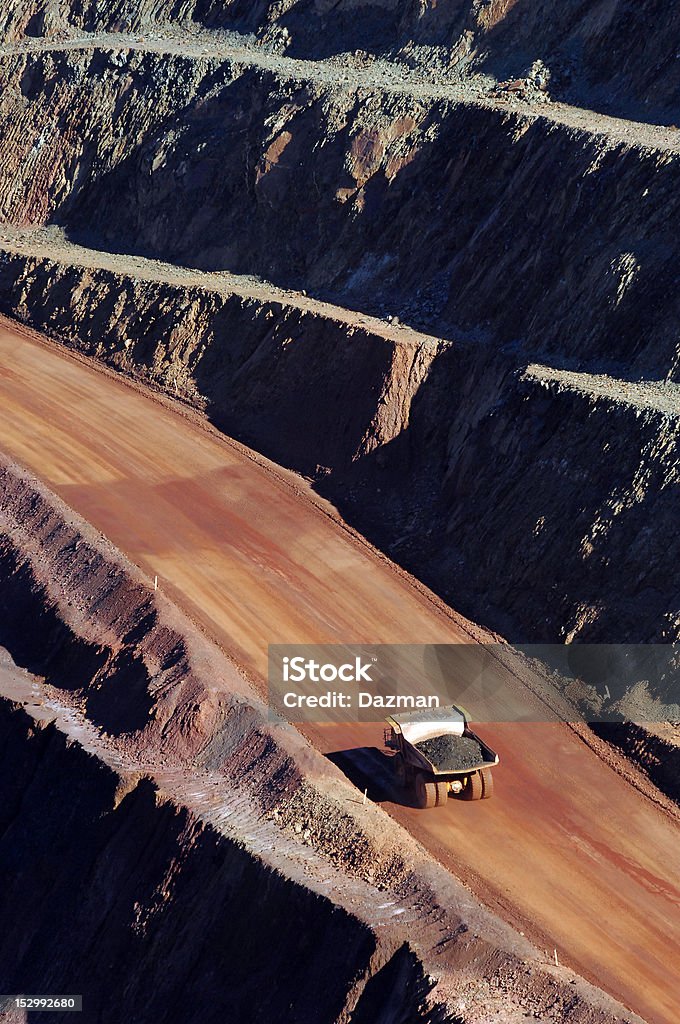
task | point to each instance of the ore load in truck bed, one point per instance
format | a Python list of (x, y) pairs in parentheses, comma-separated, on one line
[(452, 753)]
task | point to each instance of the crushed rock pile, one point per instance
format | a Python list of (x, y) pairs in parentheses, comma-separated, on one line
[(452, 753)]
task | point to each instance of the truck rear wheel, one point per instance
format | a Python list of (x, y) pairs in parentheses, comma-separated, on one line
[(442, 793), (426, 792), (474, 787), (487, 783)]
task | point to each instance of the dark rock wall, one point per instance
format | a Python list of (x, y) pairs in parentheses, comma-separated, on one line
[(152, 916)]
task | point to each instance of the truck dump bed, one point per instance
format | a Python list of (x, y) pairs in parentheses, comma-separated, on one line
[(441, 741), (416, 726)]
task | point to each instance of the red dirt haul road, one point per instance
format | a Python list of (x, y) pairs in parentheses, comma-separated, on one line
[(568, 850)]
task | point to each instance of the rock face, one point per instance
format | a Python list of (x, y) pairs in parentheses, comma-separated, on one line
[(619, 55), (457, 216), (135, 884)]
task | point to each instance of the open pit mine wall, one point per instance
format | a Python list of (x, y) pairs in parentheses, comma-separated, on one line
[(525, 500), (657, 755), (616, 53), (142, 906), (544, 239), (74, 612), (525, 503), (127, 898)]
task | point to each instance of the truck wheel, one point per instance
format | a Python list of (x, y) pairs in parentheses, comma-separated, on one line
[(400, 770), (426, 792), (442, 793), (487, 783), (473, 788)]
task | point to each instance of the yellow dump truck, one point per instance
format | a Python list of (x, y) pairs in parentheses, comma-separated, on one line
[(437, 753)]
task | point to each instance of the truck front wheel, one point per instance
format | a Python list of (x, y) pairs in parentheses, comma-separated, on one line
[(426, 792), (487, 783), (474, 787)]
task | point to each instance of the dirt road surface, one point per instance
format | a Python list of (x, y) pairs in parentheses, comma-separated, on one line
[(568, 850)]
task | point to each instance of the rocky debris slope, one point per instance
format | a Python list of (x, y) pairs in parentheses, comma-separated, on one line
[(619, 56), (544, 507), (138, 887), (211, 840)]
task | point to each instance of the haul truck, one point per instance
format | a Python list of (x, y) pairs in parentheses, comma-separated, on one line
[(437, 753)]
